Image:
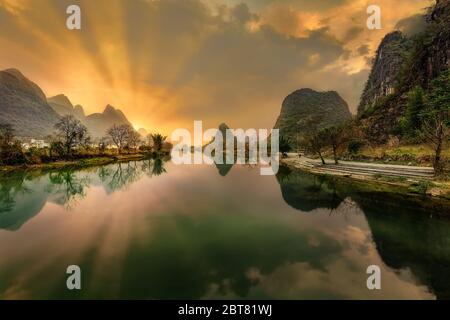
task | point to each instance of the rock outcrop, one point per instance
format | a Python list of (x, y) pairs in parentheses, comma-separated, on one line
[(383, 78), (302, 105), (402, 63)]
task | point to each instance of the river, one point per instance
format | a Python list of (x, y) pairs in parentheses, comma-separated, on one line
[(154, 230)]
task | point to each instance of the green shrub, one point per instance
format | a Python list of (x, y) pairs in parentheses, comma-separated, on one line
[(422, 187), (12, 154), (354, 146)]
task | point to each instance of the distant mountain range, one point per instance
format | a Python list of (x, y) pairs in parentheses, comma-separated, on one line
[(304, 104), (24, 105), (62, 105)]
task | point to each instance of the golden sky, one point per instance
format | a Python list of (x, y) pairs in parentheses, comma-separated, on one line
[(166, 63)]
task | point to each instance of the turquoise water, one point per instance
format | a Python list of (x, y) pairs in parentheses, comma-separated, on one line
[(154, 230)]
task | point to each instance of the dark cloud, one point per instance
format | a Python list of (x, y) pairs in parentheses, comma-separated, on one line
[(363, 50), (242, 14), (307, 5), (352, 33), (412, 25)]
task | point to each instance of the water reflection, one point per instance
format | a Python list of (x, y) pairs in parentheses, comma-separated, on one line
[(24, 193), (19, 202), (408, 233), (67, 187), (121, 175), (139, 233), (307, 192)]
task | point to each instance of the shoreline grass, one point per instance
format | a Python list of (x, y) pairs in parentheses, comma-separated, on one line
[(76, 163), (433, 189)]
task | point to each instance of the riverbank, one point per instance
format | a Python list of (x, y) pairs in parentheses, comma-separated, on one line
[(395, 183), (76, 164)]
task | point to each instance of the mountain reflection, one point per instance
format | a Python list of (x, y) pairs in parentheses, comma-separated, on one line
[(23, 194), (306, 192), (408, 232)]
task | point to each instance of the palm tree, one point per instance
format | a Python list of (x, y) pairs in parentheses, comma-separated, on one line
[(158, 141)]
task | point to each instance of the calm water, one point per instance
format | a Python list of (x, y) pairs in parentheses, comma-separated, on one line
[(153, 230)]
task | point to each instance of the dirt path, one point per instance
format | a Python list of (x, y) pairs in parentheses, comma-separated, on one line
[(360, 168)]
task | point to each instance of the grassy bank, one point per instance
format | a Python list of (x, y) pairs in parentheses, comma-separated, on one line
[(416, 155), (77, 163)]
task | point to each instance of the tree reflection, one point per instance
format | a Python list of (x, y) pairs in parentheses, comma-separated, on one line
[(120, 175), (11, 186), (24, 193), (67, 187), (154, 166)]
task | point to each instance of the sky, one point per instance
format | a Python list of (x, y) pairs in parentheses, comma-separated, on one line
[(166, 63)]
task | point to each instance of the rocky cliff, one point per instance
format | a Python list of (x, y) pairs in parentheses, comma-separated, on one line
[(382, 81), (24, 105), (300, 106), (400, 64)]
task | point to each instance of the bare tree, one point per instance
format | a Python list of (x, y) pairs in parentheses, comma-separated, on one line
[(133, 138), (71, 132), (119, 135), (436, 118), (335, 137), (436, 132), (314, 140)]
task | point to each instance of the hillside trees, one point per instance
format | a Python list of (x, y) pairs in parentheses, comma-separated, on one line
[(436, 118)]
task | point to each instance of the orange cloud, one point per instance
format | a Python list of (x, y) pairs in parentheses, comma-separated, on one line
[(167, 63)]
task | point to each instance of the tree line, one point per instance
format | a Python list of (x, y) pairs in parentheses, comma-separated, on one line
[(72, 140)]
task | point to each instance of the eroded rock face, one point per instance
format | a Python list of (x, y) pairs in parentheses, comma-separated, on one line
[(436, 57), (302, 105), (400, 64), (383, 77)]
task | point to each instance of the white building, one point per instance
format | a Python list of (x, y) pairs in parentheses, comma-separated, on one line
[(35, 143)]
